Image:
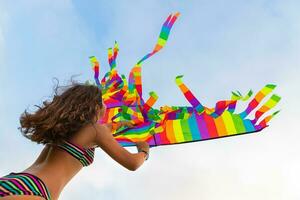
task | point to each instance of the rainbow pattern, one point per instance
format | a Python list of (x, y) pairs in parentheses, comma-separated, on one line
[(174, 124)]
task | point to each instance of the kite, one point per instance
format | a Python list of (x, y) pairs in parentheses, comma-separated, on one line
[(173, 124)]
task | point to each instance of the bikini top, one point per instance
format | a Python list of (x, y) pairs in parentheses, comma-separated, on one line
[(83, 155)]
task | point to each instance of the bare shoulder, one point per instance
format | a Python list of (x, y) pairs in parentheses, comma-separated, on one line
[(87, 136), (102, 131), (104, 135)]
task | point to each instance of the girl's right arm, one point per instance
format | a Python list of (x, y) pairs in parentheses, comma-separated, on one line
[(108, 143)]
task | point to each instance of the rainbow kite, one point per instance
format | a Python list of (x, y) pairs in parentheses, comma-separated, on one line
[(173, 124)]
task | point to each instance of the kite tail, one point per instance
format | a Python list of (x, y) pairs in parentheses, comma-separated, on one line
[(135, 116), (238, 96), (112, 56), (150, 102), (189, 95), (221, 106), (103, 80), (264, 122), (257, 99), (230, 105), (95, 67), (266, 107), (113, 85), (119, 94), (135, 79), (114, 80), (180, 113), (113, 74)]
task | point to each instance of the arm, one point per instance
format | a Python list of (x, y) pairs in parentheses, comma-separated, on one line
[(108, 143)]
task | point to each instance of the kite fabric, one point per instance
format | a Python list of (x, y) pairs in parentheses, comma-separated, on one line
[(173, 124)]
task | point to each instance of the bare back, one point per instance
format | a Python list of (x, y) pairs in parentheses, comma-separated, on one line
[(56, 167)]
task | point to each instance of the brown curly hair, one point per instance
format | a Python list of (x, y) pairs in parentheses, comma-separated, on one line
[(66, 114)]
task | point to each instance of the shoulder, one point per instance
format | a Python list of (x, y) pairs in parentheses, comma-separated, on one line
[(104, 134), (101, 130), (88, 135)]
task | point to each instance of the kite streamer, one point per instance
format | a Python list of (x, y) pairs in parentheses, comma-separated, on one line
[(174, 124)]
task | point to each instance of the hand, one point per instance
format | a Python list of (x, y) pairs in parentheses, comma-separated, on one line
[(127, 123), (117, 125), (142, 146)]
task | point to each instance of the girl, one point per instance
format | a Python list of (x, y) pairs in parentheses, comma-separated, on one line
[(68, 128)]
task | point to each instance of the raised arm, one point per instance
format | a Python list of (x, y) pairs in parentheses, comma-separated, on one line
[(107, 142)]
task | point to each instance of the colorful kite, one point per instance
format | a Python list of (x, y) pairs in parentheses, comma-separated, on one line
[(173, 124)]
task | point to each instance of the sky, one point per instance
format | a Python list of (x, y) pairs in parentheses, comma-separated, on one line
[(219, 46)]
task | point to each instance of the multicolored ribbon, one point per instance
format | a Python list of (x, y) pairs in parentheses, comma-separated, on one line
[(174, 124)]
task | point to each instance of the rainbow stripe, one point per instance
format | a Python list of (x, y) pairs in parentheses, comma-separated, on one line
[(23, 184), (135, 74), (175, 124), (85, 156)]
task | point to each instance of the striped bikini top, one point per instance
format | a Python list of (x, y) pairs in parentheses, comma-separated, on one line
[(83, 155)]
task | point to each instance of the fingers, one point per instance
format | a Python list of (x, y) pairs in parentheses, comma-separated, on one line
[(129, 124), (142, 145)]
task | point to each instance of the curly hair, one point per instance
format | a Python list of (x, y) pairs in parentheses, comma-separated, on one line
[(64, 116)]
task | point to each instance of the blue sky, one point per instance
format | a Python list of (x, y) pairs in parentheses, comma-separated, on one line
[(219, 46)]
